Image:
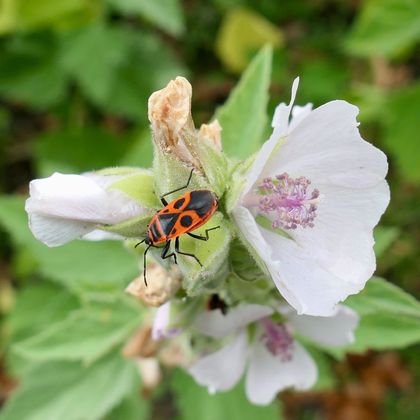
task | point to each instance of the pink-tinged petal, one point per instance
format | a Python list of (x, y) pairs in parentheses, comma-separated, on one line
[(268, 374), (215, 324), (160, 328), (54, 231), (222, 370), (336, 330), (280, 126)]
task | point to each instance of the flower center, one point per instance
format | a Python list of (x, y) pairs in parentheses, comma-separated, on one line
[(290, 199), (277, 339)]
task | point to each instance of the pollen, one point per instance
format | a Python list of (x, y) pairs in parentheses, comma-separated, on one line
[(289, 200), (277, 339)]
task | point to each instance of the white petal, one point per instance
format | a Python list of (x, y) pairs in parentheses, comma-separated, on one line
[(102, 235), (299, 113), (342, 239), (280, 124), (215, 324), (78, 197), (65, 207), (55, 231), (221, 371), (161, 321), (268, 374), (335, 330), (307, 285), (327, 148), (325, 264), (282, 112)]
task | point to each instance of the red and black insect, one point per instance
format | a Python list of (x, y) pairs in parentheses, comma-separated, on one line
[(181, 216)]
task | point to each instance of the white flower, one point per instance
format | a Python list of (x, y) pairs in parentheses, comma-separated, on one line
[(273, 359), (65, 207), (321, 189)]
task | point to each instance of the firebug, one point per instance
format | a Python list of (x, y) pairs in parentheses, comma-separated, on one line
[(181, 216)]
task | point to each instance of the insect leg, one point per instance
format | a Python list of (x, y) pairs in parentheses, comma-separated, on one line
[(185, 253), (162, 197), (203, 238), (165, 251)]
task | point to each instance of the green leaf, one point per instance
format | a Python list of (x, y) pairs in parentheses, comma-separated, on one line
[(133, 407), (140, 152), (390, 318), (141, 75), (23, 15), (36, 307), (401, 134), (78, 150), (95, 75), (85, 335), (384, 237), (83, 266), (326, 378), (166, 14), (385, 27), (194, 402), (29, 71), (241, 33), (381, 296), (70, 391), (243, 117), (124, 72)]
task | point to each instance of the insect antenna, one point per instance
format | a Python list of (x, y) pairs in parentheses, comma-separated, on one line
[(136, 245)]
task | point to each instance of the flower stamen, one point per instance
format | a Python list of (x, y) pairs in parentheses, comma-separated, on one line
[(290, 200), (277, 339)]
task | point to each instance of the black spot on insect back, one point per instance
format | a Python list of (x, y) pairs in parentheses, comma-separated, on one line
[(178, 204), (186, 221)]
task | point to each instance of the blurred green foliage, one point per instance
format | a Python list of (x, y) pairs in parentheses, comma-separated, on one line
[(75, 76)]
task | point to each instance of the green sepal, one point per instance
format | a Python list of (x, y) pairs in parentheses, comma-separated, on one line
[(242, 264), (237, 182), (212, 255), (133, 228), (215, 166), (170, 174), (137, 184), (240, 290)]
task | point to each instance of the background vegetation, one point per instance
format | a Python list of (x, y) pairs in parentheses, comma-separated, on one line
[(75, 76)]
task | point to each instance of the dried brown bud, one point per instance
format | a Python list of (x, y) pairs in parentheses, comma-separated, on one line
[(211, 133), (140, 344), (161, 286), (172, 123)]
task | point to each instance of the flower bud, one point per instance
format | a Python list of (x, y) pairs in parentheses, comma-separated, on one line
[(64, 207), (161, 286)]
